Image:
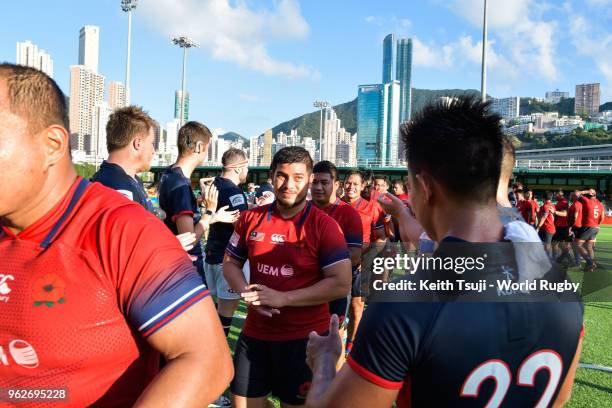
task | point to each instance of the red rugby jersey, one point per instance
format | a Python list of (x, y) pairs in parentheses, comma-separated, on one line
[(562, 205), (372, 216), (527, 211), (85, 286), (285, 255), (546, 211), (349, 221), (574, 214), (592, 210)]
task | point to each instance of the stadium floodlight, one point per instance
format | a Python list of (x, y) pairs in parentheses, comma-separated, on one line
[(128, 6), (321, 105), (184, 42), (483, 77)]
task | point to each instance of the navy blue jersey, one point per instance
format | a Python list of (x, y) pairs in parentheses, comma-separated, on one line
[(176, 197), (469, 354), (220, 232), (113, 176)]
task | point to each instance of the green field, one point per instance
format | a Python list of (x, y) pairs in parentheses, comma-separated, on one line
[(592, 388)]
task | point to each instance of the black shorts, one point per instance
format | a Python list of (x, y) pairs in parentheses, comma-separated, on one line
[(586, 233), (278, 367), (339, 307), (561, 235), (546, 237)]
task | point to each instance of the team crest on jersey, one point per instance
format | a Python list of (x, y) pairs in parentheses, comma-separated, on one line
[(4, 287), (237, 200), (48, 290), (257, 236)]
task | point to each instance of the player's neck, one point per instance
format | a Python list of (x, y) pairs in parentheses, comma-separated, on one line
[(187, 165), (122, 160), (288, 212), (473, 223), (325, 204), (52, 192), (353, 200)]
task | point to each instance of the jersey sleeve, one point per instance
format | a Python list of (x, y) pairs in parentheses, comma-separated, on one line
[(179, 201), (378, 216), (385, 348), (354, 229), (153, 275), (237, 200), (236, 247), (332, 246)]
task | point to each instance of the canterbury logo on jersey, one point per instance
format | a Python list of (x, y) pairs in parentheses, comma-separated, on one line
[(4, 288), (277, 239), (22, 353), (286, 271)]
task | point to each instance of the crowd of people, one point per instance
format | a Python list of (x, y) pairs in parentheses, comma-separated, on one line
[(99, 287)]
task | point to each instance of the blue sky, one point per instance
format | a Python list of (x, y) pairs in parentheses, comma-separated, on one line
[(266, 61)]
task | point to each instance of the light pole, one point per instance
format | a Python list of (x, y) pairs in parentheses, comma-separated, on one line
[(483, 80), (184, 42), (128, 6), (321, 105)]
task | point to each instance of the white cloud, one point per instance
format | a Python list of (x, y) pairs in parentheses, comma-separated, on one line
[(230, 31), (248, 98), (599, 3), (527, 39), (430, 55)]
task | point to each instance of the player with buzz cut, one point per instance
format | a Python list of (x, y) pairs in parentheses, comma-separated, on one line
[(235, 170), (323, 189), (512, 352), (299, 262), (592, 217)]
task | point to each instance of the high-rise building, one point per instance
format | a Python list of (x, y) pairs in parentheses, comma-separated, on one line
[(30, 55), (404, 76), (172, 129), (89, 47), (266, 154), (369, 122), (310, 145), (116, 95), (507, 108), (86, 91), (555, 96), (587, 99), (254, 151), (178, 99), (97, 146), (391, 122), (388, 58)]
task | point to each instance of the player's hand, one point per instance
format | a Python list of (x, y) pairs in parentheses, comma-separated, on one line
[(266, 198), (210, 196), (391, 205), (187, 240), (324, 349), (265, 310), (261, 295), (206, 182), (224, 215)]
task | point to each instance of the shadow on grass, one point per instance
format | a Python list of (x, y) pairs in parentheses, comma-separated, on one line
[(595, 386)]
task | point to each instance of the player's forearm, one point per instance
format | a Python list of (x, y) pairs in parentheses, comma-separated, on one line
[(409, 228), (190, 380), (234, 276), (322, 377), (326, 290), (355, 254)]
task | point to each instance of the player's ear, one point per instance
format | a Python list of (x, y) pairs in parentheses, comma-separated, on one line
[(137, 143), (425, 183), (56, 144)]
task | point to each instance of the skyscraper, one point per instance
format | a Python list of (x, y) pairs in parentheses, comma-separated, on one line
[(388, 58), (403, 74), (116, 95), (177, 105), (86, 91), (390, 123), (587, 99), (369, 122), (100, 115), (30, 55), (267, 148), (89, 47)]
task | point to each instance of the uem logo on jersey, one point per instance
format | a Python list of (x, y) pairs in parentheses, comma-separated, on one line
[(286, 271), (4, 288)]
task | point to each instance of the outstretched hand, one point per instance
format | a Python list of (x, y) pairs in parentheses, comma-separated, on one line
[(324, 348)]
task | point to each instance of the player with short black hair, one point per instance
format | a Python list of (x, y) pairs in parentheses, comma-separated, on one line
[(546, 222), (561, 239), (446, 354), (299, 262)]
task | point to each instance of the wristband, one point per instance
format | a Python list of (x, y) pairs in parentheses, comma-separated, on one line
[(208, 212)]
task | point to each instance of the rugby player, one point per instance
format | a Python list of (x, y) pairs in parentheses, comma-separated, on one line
[(98, 287), (130, 143), (574, 220), (546, 222), (400, 191), (592, 217), (324, 186), (448, 354), (235, 170), (372, 221), (299, 262), (176, 196), (560, 241)]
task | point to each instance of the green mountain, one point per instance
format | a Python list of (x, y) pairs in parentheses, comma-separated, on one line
[(564, 107), (308, 124), (233, 136), (605, 107)]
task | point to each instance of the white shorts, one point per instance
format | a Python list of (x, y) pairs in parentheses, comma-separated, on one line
[(217, 285)]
